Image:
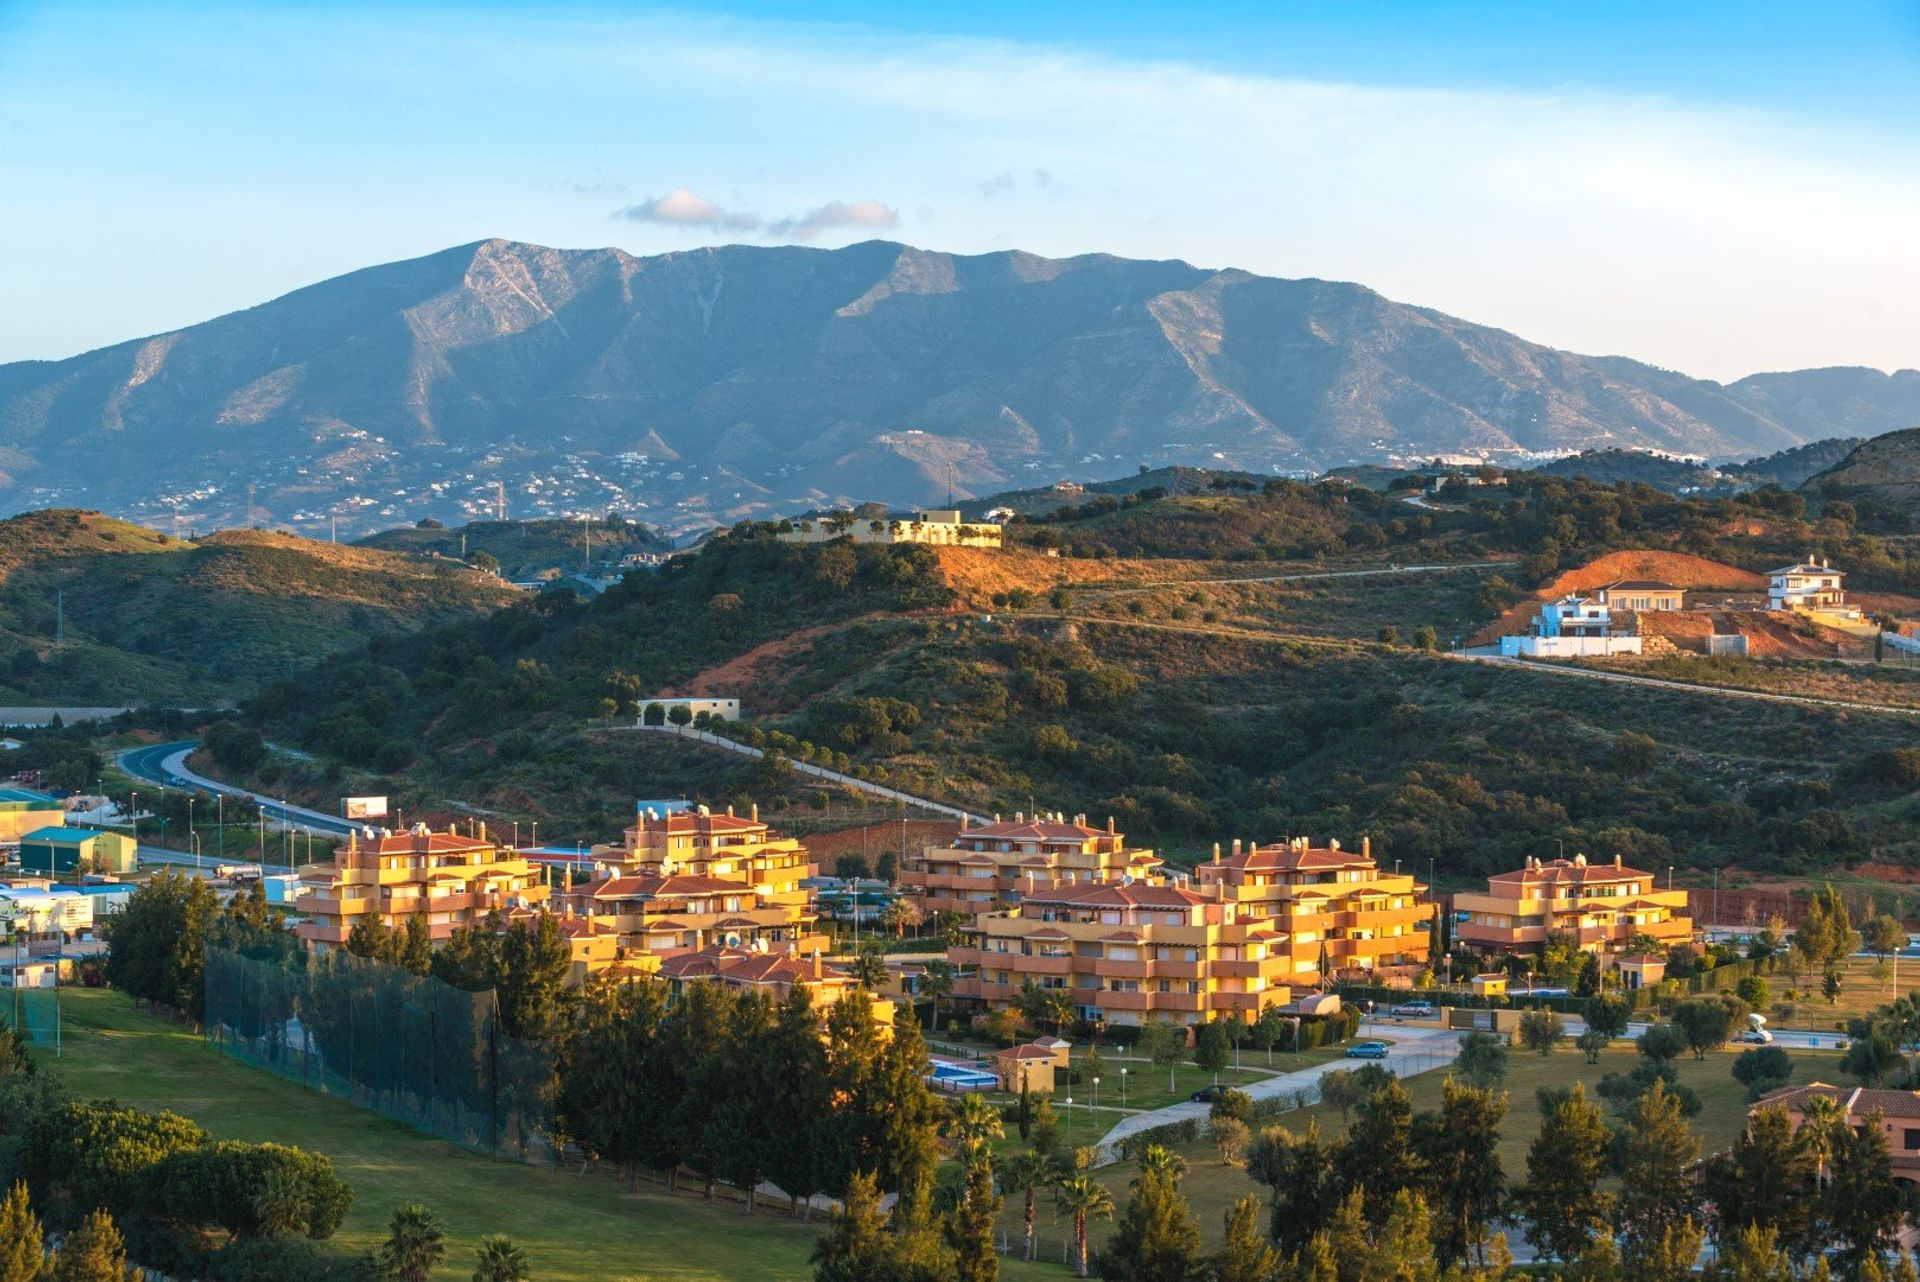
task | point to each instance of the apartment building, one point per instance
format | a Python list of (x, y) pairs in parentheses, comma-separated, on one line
[(1126, 953), (1325, 903), (998, 864), (1601, 906), (776, 974), (728, 847), (452, 879), (685, 912)]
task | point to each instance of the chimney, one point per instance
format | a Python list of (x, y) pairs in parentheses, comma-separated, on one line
[(1616, 861), (1109, 823), (1366, 847), (996, 816), (1236, 846), (753, 812), (729, 810), (1019, 816), (1216, 852), (483, 830), (818, 971), (1333, 843)]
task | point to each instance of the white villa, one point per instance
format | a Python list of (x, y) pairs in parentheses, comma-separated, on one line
[(1570, 628), (1812, 585)]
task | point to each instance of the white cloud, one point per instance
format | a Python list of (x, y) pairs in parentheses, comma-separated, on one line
[(681, 208), (835, 215)]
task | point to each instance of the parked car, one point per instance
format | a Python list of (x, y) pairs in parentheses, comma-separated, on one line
[(1756, 1037), (1208, 1094), (1367, 1050), (1413, 1010)]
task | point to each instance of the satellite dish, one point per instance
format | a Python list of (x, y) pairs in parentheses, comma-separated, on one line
[(733, 939)]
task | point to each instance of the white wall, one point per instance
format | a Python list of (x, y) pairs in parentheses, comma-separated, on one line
[(1567, 647)]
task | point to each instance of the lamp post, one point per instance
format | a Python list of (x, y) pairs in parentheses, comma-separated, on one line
[(1123, 1086), (193, 840), (1069, 1121), (1669, 879), (220, 822), (1096, 1092), (191, 830)]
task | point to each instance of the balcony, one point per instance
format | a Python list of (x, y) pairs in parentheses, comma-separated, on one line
[(328, 906), (1137, 969), (1186, 1003), (1178, 969)]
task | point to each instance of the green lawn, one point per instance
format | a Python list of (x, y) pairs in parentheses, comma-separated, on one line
[(574, 1229), (1212, 1186), (1146, 1082)]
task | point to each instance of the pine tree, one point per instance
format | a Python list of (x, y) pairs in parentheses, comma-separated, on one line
[(1654, 1157), (1561, 1198), (1751, 1254), (94, 1252), (1156, 1239), (1460, 1149), (798, 1097), (846, 1140), (1766, 1181), (740, 1119), (531, 988), (970, 1227), (370, 938), (416, 945), (22, 1242), (1245, 1256), (1299, 1171), (1377, 1156), (695, 1032), (1667, 1254)]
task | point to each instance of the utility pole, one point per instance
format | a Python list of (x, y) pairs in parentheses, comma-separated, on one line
[(249, 504), (59, 615), (500, 500), (335, 519)]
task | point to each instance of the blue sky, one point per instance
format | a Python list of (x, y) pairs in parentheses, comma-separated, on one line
[(1715, 188)]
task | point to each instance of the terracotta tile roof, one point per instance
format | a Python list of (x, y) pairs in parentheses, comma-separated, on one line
[(668, 887), (1123, 937), (1024, 1052), (1554, 871), (1855, 1101), (1641, 585), (1116, 895), (1282, 857), (1034, 830), (688, 821), (414, 843), (737, 965), (1049, 932)]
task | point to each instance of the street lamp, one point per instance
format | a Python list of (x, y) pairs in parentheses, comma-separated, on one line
[(1669, 878), (1069, 1121), (220, 822), (1096, 1092), (1123, 1086)]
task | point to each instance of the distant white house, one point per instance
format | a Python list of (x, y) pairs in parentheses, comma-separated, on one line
[(1812, 585), (655, 712), (1571, 627), (940, 527)]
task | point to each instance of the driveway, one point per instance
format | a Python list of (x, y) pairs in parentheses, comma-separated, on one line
[(1413, 1050)]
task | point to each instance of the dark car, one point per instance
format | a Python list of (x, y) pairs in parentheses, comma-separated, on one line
[(1208, 1094)]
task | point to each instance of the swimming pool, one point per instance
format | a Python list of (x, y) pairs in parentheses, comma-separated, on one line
[(960, 1078)]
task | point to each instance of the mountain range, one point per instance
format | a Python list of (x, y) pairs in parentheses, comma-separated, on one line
[(736, 381)]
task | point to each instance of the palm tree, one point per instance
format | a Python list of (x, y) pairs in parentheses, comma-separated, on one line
[(973, 1118), (1027, 1171), (281, 1204), (869, 966), (1083, 1199), (936, 982), (1157, 1159), (1824, 1120), (499, 1260), (900, 916), (415, 1243)]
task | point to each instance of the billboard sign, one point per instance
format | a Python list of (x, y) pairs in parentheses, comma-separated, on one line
[(363, 807)]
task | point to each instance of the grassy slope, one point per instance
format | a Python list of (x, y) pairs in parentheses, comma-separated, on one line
[(574, 1229), (150, 618)]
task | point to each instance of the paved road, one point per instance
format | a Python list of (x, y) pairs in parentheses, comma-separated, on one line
[(1662, 683), (1128, 585), (1414, 1050), (806, 767), (166, 764)]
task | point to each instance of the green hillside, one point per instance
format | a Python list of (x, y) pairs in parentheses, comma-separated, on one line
[(526, 549), (1192, 711), (148, 618)]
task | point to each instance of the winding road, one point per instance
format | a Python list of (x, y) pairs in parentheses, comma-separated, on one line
[(165, 764)]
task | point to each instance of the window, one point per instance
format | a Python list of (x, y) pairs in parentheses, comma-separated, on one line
[(1910, 1138)]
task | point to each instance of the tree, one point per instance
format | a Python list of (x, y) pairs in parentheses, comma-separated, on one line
[(94, 1252), (1860, 1204), (157, 943), (1653, 1157), (1751, 1254), (908, 1115), (1378, 1157), (901, 916), (1661, 1043), (1210, 1043), (857, 1246), (531, 990), (1765, 1181), (1299, 1171), (869, 967), (1230, 1136), (497, 1259), (1026, 1172), (1542, 1030), (415, 950), (1873, 1049), (1884, 935), (1245, 1255), (1762, 1069), (1706, 1022), (1162, 1042), (1156, 1239), (1482, 1060), (1666, 1256), (970, 1227), (1269, 1030), (1561, 1198), (936, 981), (972, 1119), (415, 1245), (22, 1242), (1459, 1151), (1080, 1198)]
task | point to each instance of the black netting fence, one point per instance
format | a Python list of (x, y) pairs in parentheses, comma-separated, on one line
[(416, 1050)]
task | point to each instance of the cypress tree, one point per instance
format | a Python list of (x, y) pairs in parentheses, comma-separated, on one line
[(908, 1116), (797, 1102), (1460, 1149), (857, 1247), (1654, 1157), (970, 1227), (1246, 1256)]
